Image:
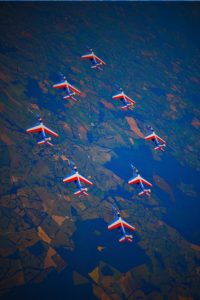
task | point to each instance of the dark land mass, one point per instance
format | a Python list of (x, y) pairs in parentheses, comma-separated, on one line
[(54, 245)]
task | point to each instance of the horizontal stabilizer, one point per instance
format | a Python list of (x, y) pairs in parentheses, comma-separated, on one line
[(127, 106), (97, 66), (42, 142), (49, 144), (160, 147), (128, 238), (146, 192), (81, 192), (70, 97)]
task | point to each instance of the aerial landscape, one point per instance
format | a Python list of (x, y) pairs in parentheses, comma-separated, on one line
[(99, 147)]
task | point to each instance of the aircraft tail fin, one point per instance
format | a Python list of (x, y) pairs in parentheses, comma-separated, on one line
[(42, 142), (160, 147), (45, 141), (70, 96), (128, 106), (49, 144), (97, 66), (81, 192), (126, 237), (125, 107), (145, 192)]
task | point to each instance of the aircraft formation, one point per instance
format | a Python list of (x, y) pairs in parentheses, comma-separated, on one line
[(79, 180)]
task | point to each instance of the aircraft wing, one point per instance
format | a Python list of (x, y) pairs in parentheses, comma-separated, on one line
[(152, 136), (99, 60), (87, 56), (159, 139), (138, 179), (118, 96), (37, 128), (84, 180), (47, 130), (72, 88), (70, 178), (145, 181), (127, 225), (61, 85), (114, 224), (126, 238), (123, 96), (129, 99), (134, 180), (81, 192)]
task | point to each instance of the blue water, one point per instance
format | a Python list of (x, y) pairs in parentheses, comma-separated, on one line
[(183, 213), (85, 257), (56, 286), (45, 101), (83, 260), (6, 49), (110, 32)]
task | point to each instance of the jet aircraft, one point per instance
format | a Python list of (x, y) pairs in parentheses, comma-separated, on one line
[(120, 223), (127, 101), (42, 129), (137, 179), (96, 61), (71, 91), (78, 179), (160, 143)]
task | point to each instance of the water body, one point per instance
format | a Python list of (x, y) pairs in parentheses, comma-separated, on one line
[(93, 233), (55, 286), (158, 91), (45, 101), (183, 213), (6, 49), (88, 236)]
